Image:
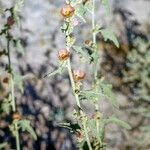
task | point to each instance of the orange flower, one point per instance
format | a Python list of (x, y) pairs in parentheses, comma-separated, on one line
[(16, 116), (67, 11), (63, 54), (78, 75)]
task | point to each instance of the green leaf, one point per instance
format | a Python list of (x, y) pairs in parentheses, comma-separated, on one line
[(60, 70), (18, 80), (83, 53), (106, 91), (72, 127), (70, 41), (25, 126), (109, 35), (88, 6), (80, 12), (20, 47), (119, 122), (6, 105), (89, 95), (2, 145), (106, 4)]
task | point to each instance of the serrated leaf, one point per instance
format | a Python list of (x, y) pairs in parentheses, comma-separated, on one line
[(18, 80), (25, 126), (16, 9), (70, 41), (119, 122), (57, 71), (89, 95), (6, 105), (20, 47), (80, 12), (83, 53), (106, 91), (109, 35), (106, 4), (88, 6), (72, 127)]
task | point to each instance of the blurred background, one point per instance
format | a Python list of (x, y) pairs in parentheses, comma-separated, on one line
[(46, 102)]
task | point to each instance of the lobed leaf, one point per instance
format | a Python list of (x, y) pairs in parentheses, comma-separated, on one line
[(25, 126), (119, 122), (109, 35)]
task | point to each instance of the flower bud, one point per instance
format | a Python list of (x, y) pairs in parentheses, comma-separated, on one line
[(78, 75), (16, 116), (63, 54), (67, 11)]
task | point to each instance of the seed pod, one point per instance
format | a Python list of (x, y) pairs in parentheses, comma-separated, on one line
[(63, 54), (10, 21), (78, 75), (16, 116), (67, 11)]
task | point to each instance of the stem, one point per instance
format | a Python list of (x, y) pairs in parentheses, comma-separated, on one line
[(93, 21), (72, 82), (86, 135), (12, 91), (17, 137)]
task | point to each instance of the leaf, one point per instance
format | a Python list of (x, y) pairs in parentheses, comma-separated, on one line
[(106, 91), (88, 6), (25, 126), (109, 35), (2, 145), (20, 47), (16, 9), (80, 12), (72, 127), (84, 54), (18, 79), (106, 4), (70, 41), (57, 71), (6, 105), (119, 122), (89, 95)]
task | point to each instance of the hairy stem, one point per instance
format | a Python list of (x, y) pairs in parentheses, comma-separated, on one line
[(12, 90), (87, 136)]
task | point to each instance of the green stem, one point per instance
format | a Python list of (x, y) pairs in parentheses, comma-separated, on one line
[(86, 135), (93, 21), (72, 82), (12, 91), (17, 137)]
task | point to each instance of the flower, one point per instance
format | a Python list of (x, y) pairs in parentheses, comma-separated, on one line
[(67, 11), (78, 75), (63, 54), (16, 116)]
